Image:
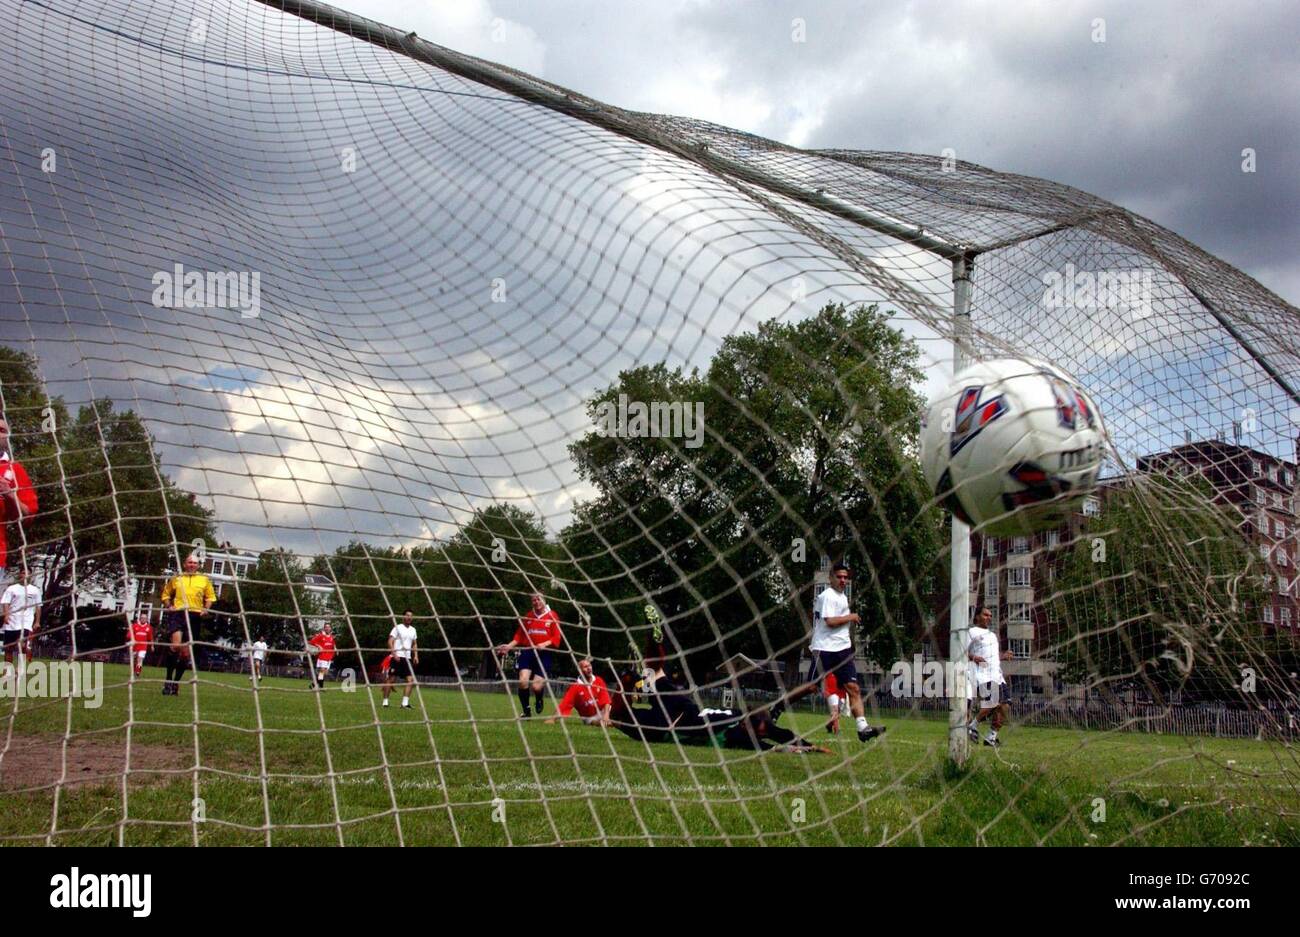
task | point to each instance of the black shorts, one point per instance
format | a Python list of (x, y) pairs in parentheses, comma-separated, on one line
[(839, 663), (991, 694), (12, 636), (175, 620), (400, 668)]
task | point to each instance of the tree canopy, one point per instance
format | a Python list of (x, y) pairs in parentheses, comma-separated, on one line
[(808, 450), (106, 507), (1161, 590)]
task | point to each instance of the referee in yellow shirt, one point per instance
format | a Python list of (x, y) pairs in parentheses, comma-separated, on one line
[(187, 595)]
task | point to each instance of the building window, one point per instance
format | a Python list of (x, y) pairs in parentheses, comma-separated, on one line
[(991, 585), (119, 606), (1281, 585), (1053, 538), (1018, 576), (1277, 500), (1091, 507), (1019, 648), (1283, 558), (1285, 619), (1263, 551), (1268, 614), (1279, 529), (1019, 544), (991, 546), (1256, 469), (218, 567), (241, 570), (1018, 611)]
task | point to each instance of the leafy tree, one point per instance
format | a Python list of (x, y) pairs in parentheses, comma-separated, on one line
[(274, 603), (1161, 591), (107, 509), (374, 585), (482, 579), (811, 436), (466, 595)]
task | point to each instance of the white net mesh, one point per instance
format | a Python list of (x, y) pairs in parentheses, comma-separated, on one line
[(370, 320)]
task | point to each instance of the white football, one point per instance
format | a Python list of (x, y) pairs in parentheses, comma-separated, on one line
[(1012, 446)]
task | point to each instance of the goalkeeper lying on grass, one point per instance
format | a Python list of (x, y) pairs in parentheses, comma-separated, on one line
[(671, 716)]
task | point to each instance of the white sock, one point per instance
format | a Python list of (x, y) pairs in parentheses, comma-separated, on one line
[(993, 735), (862, 723), (385, 704), (406, 702), (833, 701)]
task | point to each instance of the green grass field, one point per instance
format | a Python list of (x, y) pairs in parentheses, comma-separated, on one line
[(494, 780)]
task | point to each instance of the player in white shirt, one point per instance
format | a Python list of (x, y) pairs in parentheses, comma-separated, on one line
[(21, 608), (401, 642), (988, 686), (832, 646), (257, 659)]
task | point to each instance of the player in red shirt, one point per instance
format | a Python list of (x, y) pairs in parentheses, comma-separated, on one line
[(139, 635), (538, 634), (324, 643), (18, 500), (589, 696)]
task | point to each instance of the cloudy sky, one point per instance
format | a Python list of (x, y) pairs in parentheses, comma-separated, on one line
[(386, 390), (1154, 118)]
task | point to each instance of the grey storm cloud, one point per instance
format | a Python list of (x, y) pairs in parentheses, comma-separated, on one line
[(382, 392), (1154, 118)]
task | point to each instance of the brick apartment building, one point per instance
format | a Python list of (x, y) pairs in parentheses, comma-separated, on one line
[(1263, 488), (1013, 575)]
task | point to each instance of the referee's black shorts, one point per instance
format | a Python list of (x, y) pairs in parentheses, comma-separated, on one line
[(178, 619)]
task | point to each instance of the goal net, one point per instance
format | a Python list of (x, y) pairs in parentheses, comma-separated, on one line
[(369, 327)]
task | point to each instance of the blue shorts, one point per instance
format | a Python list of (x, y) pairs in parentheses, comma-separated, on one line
[(839, 663), (537, 662)]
